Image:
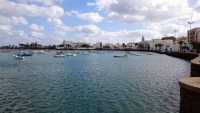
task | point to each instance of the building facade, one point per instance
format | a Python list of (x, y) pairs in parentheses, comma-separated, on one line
[(194, 34)]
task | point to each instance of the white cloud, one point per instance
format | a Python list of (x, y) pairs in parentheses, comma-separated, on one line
[(22, 1), (197, 6), (46, 2), (36, 27), (12, 20), (103, 4), (12, 8), (87, 29), (54, 21), (37, 34), (145, 11), (91, 17), (60, 33), (5, 27)]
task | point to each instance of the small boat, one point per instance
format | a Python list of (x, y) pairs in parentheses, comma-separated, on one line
[(85, 53), (6, 51), (122, 56), (110, 51), (40, 52), (69, 54), (138, 54), (59, 55), (18, 57), (33, 52), (132, 53), (23, 54), (149, 54), (128, 52), (77, 51)]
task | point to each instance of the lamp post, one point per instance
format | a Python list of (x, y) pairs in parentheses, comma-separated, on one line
[(191, 22), (175, 37)]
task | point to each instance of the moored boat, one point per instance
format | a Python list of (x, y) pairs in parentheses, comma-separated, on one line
[(85, 53), (122, 56), (6, 51), (59, 55), (40, 52), (18, 57), (149, 54)]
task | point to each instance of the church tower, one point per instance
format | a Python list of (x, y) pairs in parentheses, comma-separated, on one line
[(143, 38)]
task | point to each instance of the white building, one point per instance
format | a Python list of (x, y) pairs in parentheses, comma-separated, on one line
[(151, 44), (98, 45), (118, 46), (131, 45), (108, 46), (74, 45)]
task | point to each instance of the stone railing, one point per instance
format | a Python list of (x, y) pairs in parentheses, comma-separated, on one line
[(190, 89)]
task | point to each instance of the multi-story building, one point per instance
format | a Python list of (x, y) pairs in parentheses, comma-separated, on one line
[(130, 45), (151, 44), (194, 34), (74, 45), (169, 38), (98, 45)]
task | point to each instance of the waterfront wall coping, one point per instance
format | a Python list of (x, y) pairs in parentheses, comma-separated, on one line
[(190, 83), (196, 60)]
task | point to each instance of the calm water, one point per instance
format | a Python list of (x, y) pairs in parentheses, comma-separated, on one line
[(96, 83)]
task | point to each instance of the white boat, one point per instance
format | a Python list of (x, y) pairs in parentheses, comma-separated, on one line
[(77, 51), (85, 53), (40, 52), (18, 57), (6, 51), (138, 54), (128, 52), (132, 53), (122, 56), (59, 55), (69, 54), (33, 52), (149, 54)]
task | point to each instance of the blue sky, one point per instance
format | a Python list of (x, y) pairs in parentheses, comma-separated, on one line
[(108, 21)]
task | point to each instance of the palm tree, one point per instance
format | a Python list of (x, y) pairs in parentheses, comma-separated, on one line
[(180, 43), (123, 45), (156, 45), (148, 47), (160, 45), (183, 48), (140, 46)]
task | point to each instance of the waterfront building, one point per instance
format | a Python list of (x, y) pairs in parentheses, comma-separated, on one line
[(194, 34), (131, 45), (108, 46), (151, 44), (169, 38), (74, 45), (118, 46), (98, 45)]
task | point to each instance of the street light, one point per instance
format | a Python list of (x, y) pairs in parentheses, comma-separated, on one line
[(191, 22), (175, 38)]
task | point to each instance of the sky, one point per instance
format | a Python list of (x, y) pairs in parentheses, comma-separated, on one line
[(50, 22)]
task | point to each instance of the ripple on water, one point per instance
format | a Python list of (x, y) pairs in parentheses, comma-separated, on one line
[(91, 84)]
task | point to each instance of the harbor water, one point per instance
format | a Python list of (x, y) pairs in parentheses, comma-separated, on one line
[(95, 83)]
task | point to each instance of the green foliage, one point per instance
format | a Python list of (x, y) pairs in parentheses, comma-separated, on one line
[(180, 43), (195, 45)]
